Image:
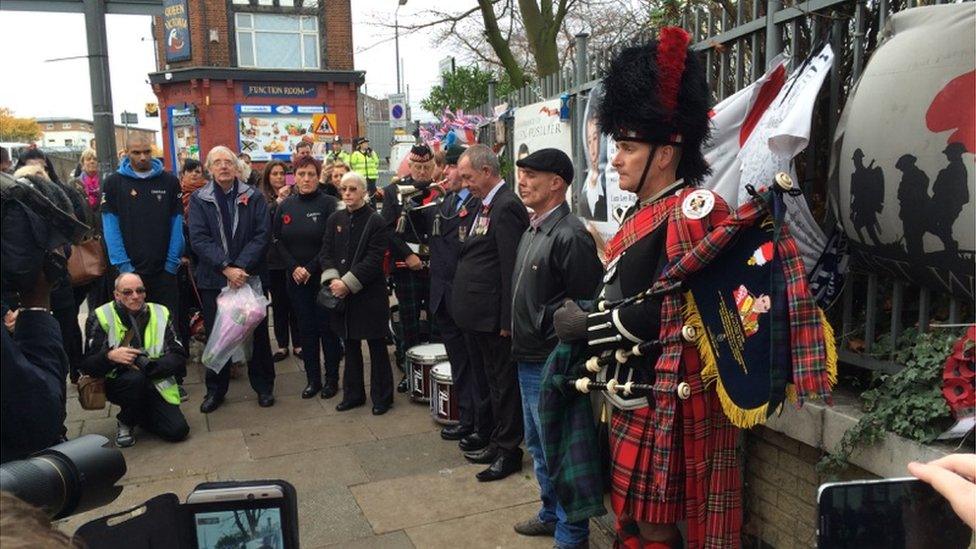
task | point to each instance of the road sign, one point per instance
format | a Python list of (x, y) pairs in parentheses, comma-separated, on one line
[(130, 118), (398, 110), (324, 124)]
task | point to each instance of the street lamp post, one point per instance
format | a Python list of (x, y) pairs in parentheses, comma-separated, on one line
[(396, 38)]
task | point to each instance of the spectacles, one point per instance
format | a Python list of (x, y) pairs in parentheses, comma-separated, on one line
[(129, 291), (349, 189)]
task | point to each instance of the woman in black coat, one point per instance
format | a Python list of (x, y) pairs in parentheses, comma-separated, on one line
[(352, 267)]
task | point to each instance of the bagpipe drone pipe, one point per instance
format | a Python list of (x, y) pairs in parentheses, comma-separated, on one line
[(749, 312)]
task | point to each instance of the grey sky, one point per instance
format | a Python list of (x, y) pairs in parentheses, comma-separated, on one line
[(33, 87)]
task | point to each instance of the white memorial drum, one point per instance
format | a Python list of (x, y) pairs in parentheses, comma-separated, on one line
[(444, 407), (420, 359)]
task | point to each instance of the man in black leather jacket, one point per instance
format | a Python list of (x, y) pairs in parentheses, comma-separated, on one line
[(556, 261)]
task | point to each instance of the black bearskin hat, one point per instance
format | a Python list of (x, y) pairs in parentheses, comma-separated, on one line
[(657, 93)]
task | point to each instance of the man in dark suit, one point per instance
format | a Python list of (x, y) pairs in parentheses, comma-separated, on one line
[(482, 306), (448, 224)]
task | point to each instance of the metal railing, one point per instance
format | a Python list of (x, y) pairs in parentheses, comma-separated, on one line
[(737, 48)]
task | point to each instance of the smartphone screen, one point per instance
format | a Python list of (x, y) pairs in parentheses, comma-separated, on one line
[(254, 527), (890, 514)]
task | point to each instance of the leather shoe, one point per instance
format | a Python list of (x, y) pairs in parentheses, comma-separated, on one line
[(473, 442), (210, 403), (330, 389), (455, 432), (402, 386), (535, 527), (280, 355), (343, 406), (310, 391), (266, 401), (483, 456), (380, 410), (505, 464)]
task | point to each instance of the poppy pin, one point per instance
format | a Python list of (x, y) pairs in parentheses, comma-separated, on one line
[(463, 212), (286, 219), (243, 199)]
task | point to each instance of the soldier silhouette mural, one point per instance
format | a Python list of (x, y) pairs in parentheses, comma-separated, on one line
[(950, 193), (913, 201), (867, 197)]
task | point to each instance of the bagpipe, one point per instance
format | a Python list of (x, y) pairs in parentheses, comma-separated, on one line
[(748, 311), (432, 195)]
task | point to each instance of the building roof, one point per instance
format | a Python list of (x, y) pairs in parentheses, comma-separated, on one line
[(57, 119), (258, 75)]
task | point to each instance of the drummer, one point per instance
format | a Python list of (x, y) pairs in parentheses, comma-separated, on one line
[(453, 219), (556, 262)]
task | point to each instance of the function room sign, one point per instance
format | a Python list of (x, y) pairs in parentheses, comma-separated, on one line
[(177, 30), (278, 90)]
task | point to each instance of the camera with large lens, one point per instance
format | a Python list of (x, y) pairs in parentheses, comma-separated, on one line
[(71, 477)]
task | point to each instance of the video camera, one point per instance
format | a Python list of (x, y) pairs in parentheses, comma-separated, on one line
[(37, 221)]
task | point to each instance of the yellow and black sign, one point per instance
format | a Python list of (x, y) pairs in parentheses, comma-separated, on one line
[(152, 110)]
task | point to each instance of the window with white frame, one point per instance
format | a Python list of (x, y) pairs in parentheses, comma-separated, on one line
[(272, 41), (66, 125)]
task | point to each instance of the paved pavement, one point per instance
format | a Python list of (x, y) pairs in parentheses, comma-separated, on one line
[(362, 481)]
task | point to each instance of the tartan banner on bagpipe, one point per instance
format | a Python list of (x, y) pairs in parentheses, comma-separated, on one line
[(760, 334)]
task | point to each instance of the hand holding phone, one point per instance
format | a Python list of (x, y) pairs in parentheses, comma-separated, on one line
[(954, 477)]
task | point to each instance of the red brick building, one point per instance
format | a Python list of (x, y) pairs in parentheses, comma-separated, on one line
[(256, 75)]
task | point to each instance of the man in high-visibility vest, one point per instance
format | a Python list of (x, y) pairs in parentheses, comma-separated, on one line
[(337, 153), (365, 162), (132, 344)]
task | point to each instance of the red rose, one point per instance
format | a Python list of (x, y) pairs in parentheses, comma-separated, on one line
[(286, 219)]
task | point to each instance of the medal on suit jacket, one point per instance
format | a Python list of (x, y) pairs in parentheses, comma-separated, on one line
[(481, 224)]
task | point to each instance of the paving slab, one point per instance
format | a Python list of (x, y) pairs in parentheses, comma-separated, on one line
[(105, 426), (447, 494), (393, 540), (201, 453), (73, 428), (330, 515), (489, 530), (304, 435), (76, 412), (307, 472), (407, 455), (246, 414), (405, 418)]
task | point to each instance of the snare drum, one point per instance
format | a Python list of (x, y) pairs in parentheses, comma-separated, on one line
[(420, 359), (443, 400)]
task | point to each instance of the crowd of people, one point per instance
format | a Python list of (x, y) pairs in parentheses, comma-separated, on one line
[(509, 280)]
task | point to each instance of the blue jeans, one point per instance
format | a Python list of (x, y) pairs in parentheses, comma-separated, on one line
[(567, 533)]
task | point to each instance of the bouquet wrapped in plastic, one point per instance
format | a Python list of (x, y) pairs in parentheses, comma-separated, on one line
[(239, 311)]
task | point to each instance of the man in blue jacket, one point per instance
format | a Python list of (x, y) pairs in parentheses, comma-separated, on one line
[(230, 228), (142, 219)]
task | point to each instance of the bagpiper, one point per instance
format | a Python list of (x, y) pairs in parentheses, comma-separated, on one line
[(656, 107)]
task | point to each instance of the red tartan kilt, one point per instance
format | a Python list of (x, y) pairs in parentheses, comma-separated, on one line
[(632, 491)]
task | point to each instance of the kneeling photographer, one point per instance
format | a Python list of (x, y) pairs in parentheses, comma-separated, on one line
[(132, 345)]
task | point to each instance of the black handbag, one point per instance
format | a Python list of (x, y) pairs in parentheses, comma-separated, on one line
[(325, 297)]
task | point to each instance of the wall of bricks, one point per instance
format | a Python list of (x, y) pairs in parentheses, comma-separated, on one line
[(338, 52), (780, 489), (335, 22)]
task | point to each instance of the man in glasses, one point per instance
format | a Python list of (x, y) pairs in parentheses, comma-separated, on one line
[(142, 217), (132, 344)]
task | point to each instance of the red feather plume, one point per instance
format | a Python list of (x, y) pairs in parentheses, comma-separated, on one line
[(672, 47)]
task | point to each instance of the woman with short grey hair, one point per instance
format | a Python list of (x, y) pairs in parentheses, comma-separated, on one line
[(352, 269)]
